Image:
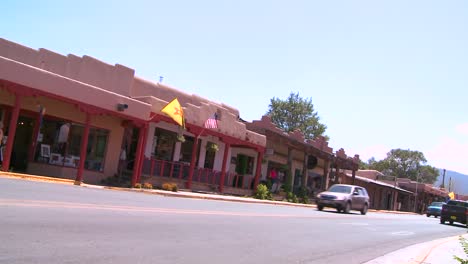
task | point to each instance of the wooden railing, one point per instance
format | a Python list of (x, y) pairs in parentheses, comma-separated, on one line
[(180, 170)]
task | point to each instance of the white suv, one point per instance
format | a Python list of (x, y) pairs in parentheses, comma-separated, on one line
[(344, 198)]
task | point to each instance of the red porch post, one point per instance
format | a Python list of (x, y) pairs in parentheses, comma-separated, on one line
[(290, 176), (139, 152), (227, 146), (11, 133), (258, 169), (145, 139), (192, 162), (84, 145), (35, 135)]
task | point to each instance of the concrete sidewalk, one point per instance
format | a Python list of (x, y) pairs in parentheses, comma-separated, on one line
[(440, 251)]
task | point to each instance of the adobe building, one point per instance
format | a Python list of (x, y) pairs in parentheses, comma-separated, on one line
[(307, 161), (80, 118), (424, 194), (384, 194)]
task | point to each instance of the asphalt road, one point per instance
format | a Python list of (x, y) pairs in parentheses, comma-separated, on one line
[(56, 223)]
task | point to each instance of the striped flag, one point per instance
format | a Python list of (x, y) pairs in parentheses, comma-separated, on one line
[(212, 122)]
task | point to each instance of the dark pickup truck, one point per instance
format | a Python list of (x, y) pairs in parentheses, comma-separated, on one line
[(454, 211)]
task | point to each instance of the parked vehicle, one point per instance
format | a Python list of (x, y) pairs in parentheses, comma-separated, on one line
[(344, 198), (454, 211), (434, 209)]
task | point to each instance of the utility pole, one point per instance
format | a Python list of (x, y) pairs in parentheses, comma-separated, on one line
[(443, 180)]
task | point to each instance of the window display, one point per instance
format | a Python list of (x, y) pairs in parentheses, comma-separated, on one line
[(59, 143), (164, 146)]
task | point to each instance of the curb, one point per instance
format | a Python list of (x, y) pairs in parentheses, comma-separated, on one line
[(207, 197), (35, 177)]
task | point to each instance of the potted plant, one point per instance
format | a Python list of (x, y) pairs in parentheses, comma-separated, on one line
[(212, 147), (181, 138)]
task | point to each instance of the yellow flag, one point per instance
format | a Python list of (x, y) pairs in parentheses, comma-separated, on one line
[(451, 195), (174, 110)]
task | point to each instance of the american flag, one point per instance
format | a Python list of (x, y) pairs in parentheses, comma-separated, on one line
[(212, 121)]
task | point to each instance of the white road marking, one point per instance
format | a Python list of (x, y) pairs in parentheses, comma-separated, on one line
[(402, 233), (356, 224)]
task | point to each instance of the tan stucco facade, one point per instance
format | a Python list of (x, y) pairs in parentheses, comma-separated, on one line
[(73, 88)]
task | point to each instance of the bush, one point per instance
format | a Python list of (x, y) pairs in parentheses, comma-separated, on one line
[(287, 185), (147, 185), (464, 243), (170, 186), (262, 192), (304, 195), (291, 197), (137, 185)]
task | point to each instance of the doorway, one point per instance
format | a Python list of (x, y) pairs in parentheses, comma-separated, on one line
[(389, 201), (22, 143)]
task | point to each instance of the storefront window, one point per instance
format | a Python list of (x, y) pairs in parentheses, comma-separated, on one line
[(244, 164), (164, 144), (186, 150), (59, 143), (95, 152), (210, 156)]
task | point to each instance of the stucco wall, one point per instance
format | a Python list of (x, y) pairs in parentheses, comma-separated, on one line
[(196, 109), (85, 69), (6, 98)]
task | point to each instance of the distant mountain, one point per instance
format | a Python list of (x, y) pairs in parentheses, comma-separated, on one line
[(460, 181)]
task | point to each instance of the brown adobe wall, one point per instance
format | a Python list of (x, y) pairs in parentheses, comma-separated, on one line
[(85, 69)]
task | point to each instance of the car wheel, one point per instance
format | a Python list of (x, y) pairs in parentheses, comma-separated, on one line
[(320, 207), (364, 209), (436, 216), (442, 221), (428, 215), (347, 208), (451, 222)]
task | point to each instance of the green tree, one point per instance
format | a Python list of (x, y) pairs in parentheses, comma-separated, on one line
[(405, 164), (363, 165), (381, 165), (429, 174), (296, 113)]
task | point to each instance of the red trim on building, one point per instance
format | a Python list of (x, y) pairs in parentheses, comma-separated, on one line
[(28, 91), (84, 145), (11, 133), (145, 139), (139, 153), (258, 169)]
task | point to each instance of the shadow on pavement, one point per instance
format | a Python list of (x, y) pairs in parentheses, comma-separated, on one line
[(336, 212), (456, 225)]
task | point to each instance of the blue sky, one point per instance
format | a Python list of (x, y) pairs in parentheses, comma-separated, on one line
[(381, 74)]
